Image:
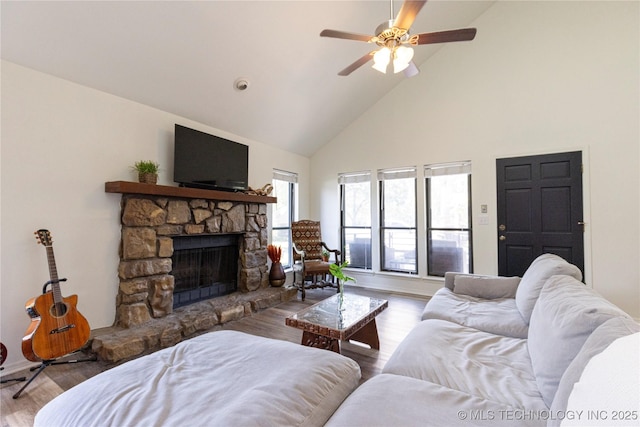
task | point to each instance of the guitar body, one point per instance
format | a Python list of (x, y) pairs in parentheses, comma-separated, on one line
[(27, 349), (57, 328), (51, 335)]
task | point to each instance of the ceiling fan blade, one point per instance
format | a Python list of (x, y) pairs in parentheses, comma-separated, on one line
[(345, 35), (411, 70), (408, 13), (359, 63), (464, 34)]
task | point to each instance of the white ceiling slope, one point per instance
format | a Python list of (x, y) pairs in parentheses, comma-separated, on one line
[(183, 57)]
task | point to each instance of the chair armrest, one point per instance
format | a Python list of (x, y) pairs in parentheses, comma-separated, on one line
[(336, 252), (299, 252)]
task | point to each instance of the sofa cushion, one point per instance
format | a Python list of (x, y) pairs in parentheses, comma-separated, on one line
[(487, 287), (498, 316), (489, 366), (394, 400), (566, 313), (599, 340), (609, 387), (534, 278), (219, 378)]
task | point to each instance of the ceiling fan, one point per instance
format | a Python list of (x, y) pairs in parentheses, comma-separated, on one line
[(394, 41)]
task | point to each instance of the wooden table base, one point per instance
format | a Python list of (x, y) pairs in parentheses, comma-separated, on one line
[(335, 319), (368, 334)]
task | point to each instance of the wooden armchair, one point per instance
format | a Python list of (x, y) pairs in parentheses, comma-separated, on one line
[(307, 256)]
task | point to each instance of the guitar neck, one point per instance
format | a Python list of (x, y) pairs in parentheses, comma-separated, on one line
[(53, 275)]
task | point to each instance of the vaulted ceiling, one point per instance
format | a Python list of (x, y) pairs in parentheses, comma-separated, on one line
[(184, 57)]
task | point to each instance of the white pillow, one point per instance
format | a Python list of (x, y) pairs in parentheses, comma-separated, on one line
[(608, 393), (487, 287)]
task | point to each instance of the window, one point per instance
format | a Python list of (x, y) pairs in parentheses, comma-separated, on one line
[(355, 218), (448, 188), (398, 226), (285, 186)]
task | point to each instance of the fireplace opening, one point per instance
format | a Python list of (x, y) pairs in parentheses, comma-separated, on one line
[(204, 267)]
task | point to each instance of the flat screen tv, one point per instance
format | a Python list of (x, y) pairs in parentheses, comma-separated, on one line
[(202, 160)]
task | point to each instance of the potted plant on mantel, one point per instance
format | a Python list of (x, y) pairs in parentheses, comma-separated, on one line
[(147, 171)]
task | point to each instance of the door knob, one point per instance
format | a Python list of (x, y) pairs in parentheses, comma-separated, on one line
[(502, 238), (502, 227)]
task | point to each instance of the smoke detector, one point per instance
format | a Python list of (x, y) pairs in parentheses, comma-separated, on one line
[(241, 84)]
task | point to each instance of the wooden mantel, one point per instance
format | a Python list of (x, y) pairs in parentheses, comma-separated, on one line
[(126, 187)]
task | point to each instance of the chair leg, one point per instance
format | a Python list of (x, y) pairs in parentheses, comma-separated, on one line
[(301, 285)]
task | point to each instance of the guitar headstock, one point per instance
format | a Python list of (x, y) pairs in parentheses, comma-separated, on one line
[(44, 237)]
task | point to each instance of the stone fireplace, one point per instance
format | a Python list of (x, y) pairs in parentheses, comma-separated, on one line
[(156, 222), (153, 226)]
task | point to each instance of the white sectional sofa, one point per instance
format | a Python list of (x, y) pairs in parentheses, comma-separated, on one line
[(504, 351), (490, 351)]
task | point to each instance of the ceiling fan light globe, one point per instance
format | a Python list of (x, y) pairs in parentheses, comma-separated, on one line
[(380, 67), (399, 65), (404, 53), (381, 59), (402, 57)]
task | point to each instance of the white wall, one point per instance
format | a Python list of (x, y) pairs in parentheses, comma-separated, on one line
[(540, 77), (60, 143)]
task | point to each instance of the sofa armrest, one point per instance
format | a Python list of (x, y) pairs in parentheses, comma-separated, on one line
[(449, 277), (482, 286)]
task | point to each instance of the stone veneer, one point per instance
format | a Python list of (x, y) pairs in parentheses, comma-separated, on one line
[(148, 225)]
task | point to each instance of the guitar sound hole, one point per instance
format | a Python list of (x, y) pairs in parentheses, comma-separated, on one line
[(58, 310)]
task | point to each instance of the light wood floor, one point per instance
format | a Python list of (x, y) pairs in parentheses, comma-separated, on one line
[(393, 325)]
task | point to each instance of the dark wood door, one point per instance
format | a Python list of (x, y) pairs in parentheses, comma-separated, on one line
[(539, 210)]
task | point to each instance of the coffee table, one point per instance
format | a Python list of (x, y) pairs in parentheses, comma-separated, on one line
[(324, 325)]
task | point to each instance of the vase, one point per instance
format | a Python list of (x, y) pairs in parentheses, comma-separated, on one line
[(276, 275), (340, 296)]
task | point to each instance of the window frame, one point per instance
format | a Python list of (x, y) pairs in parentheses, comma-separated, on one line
[(434, 170), (390, 174), (291, 179), (343, 180)]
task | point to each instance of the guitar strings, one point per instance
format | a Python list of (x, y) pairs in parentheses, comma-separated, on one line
[(57, 301)]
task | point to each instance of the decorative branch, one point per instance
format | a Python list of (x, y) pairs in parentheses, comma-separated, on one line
[(274, 252)]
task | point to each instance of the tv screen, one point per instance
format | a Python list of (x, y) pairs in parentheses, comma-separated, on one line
[(202, 160)]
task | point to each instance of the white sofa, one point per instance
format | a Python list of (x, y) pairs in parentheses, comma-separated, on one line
[(509, 351), (490, 351)]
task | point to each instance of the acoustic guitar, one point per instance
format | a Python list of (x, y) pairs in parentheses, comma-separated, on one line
[(56, 328)]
